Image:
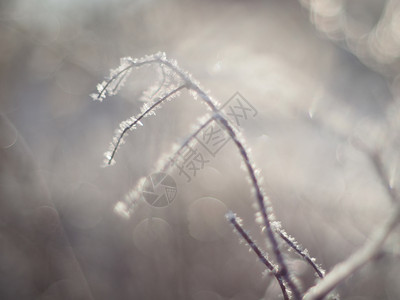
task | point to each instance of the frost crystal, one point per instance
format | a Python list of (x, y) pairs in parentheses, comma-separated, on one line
[(121, 209), (172, 79), (230, 216), (293, 244)]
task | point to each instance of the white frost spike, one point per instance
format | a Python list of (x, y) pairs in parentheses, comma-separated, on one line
[(95, 96), (107, 157), (174, 75), (293, 244), (230, 216), (165, 160), (100, 87), (168, 160), (193, 94), (122, 210), (259, 218), (127, 206), (114, 81), (148, 109)]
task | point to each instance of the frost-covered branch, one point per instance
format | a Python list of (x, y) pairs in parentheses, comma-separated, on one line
[(291, 241), (263, 203), (112, 85), (236, 222), (169, 160), (372, 247), (113, 82), (357, 260), (379, 167), (131, 123)]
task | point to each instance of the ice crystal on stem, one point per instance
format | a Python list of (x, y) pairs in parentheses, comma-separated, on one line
[(173, 79)]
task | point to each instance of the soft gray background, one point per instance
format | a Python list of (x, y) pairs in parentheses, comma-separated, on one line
[(318, 73)]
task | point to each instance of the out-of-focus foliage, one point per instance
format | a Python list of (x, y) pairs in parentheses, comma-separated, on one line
[(368, 29)]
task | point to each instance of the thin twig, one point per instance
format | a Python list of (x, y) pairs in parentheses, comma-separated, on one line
[(120, 80), (233, 219), (303, 253), (141, 116), (111, 80), (379, 168), (263, 209), (190, 84), (357, 260), (259, 194), (172, 159), (371, 248), (378, 165), (161, 84), (133, 64)]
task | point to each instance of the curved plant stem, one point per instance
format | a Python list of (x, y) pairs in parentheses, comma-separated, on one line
[(190, 84)]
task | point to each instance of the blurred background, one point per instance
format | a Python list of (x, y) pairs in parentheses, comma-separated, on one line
[(318, 73)]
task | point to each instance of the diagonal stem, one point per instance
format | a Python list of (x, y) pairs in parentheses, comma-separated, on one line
[(357, 260), (141, 116), (232, 218), (184, 144), (263, 209), (292, 243)]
